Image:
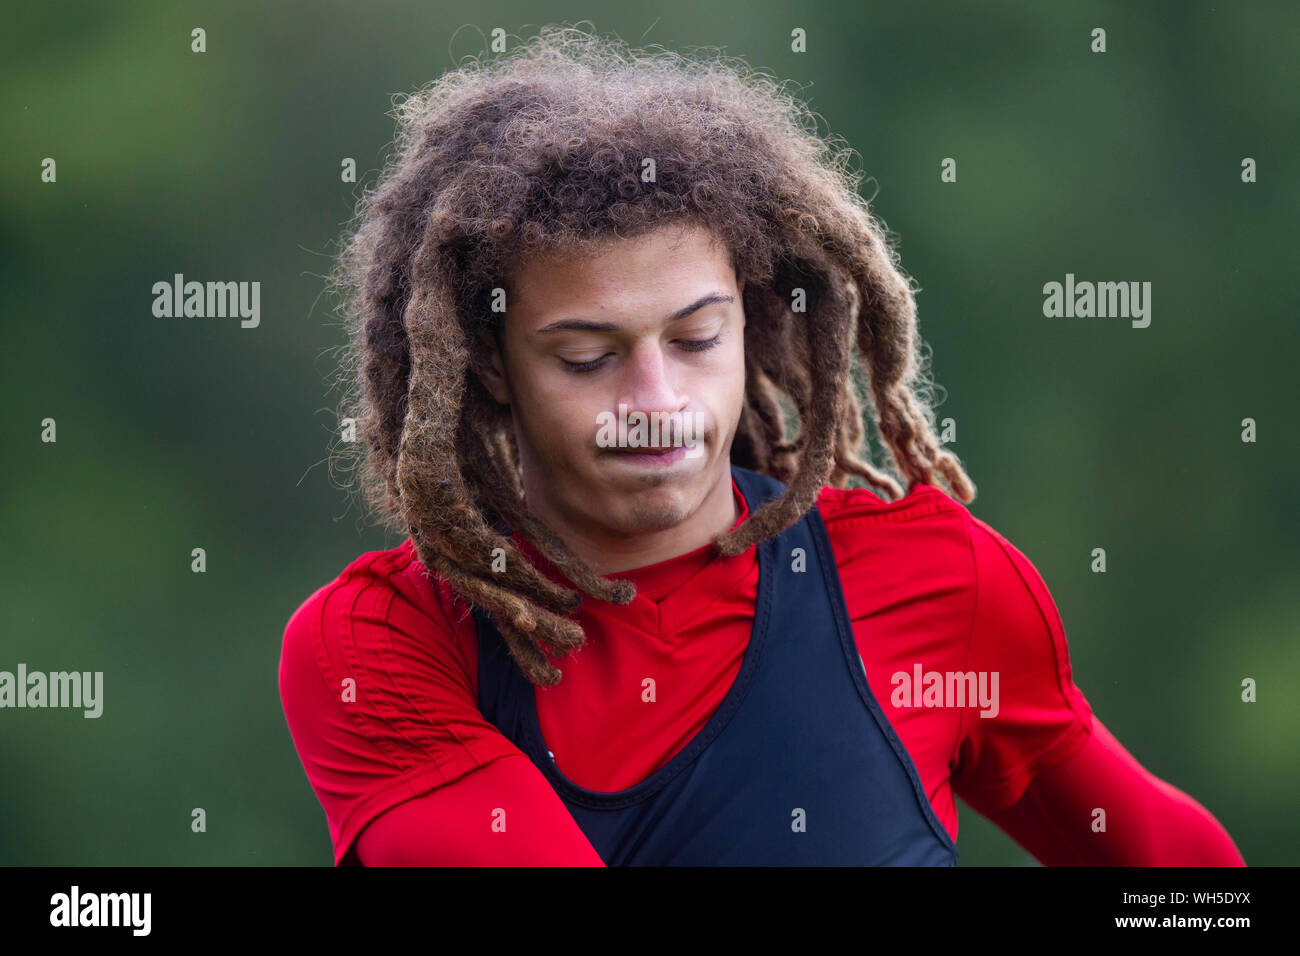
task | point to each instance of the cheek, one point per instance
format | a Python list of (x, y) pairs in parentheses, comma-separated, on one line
[(734, 378), (719, 388), (555, 415)]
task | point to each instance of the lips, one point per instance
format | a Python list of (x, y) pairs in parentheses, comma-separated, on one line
[(664, 457)]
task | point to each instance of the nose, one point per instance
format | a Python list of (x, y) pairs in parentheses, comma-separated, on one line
[(647, 384)]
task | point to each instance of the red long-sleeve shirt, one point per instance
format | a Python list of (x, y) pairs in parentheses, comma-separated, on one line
[(378, 672)]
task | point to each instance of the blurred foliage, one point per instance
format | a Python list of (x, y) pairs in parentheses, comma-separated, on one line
[(1080, 433)]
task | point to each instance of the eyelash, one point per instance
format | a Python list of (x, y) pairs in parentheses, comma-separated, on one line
[(692, 345)]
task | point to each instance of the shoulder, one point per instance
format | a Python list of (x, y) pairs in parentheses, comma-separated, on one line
[(378, 599), (925, 532), (1018, 635), (929, 531), (863, 504), (389, 640), (927, 517), (924, 506), (377, 682)]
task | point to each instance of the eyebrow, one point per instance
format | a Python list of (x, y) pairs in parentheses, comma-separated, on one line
[(586, 325)]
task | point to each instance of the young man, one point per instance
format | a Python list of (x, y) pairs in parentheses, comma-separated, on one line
[(761, 665)]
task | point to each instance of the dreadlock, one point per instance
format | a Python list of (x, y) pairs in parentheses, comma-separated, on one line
[(542, 149)]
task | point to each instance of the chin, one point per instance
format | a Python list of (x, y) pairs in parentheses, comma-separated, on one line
[(648, 517), (634, 507)]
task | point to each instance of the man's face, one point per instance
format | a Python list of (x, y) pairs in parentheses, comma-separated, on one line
[(655, 324)]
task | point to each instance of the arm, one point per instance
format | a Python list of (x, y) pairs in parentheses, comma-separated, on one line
[(1042, 768), (462, 824), (1148, 822)]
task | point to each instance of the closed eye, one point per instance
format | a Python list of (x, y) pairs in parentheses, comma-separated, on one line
[(691, 345)]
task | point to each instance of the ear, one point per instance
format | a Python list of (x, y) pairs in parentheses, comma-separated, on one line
[(493, 375)]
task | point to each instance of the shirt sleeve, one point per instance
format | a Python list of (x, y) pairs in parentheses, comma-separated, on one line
[(1147, 821), (380, 702), (1042, 719), (529, 824)]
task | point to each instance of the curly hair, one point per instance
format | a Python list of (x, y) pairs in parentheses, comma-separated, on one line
[(542, 149)]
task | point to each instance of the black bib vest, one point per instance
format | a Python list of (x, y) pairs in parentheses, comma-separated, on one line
[(798, 765)]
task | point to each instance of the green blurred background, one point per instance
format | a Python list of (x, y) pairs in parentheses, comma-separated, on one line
[(1080, 433)]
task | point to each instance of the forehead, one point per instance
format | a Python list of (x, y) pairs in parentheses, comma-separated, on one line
[(654, 268)]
